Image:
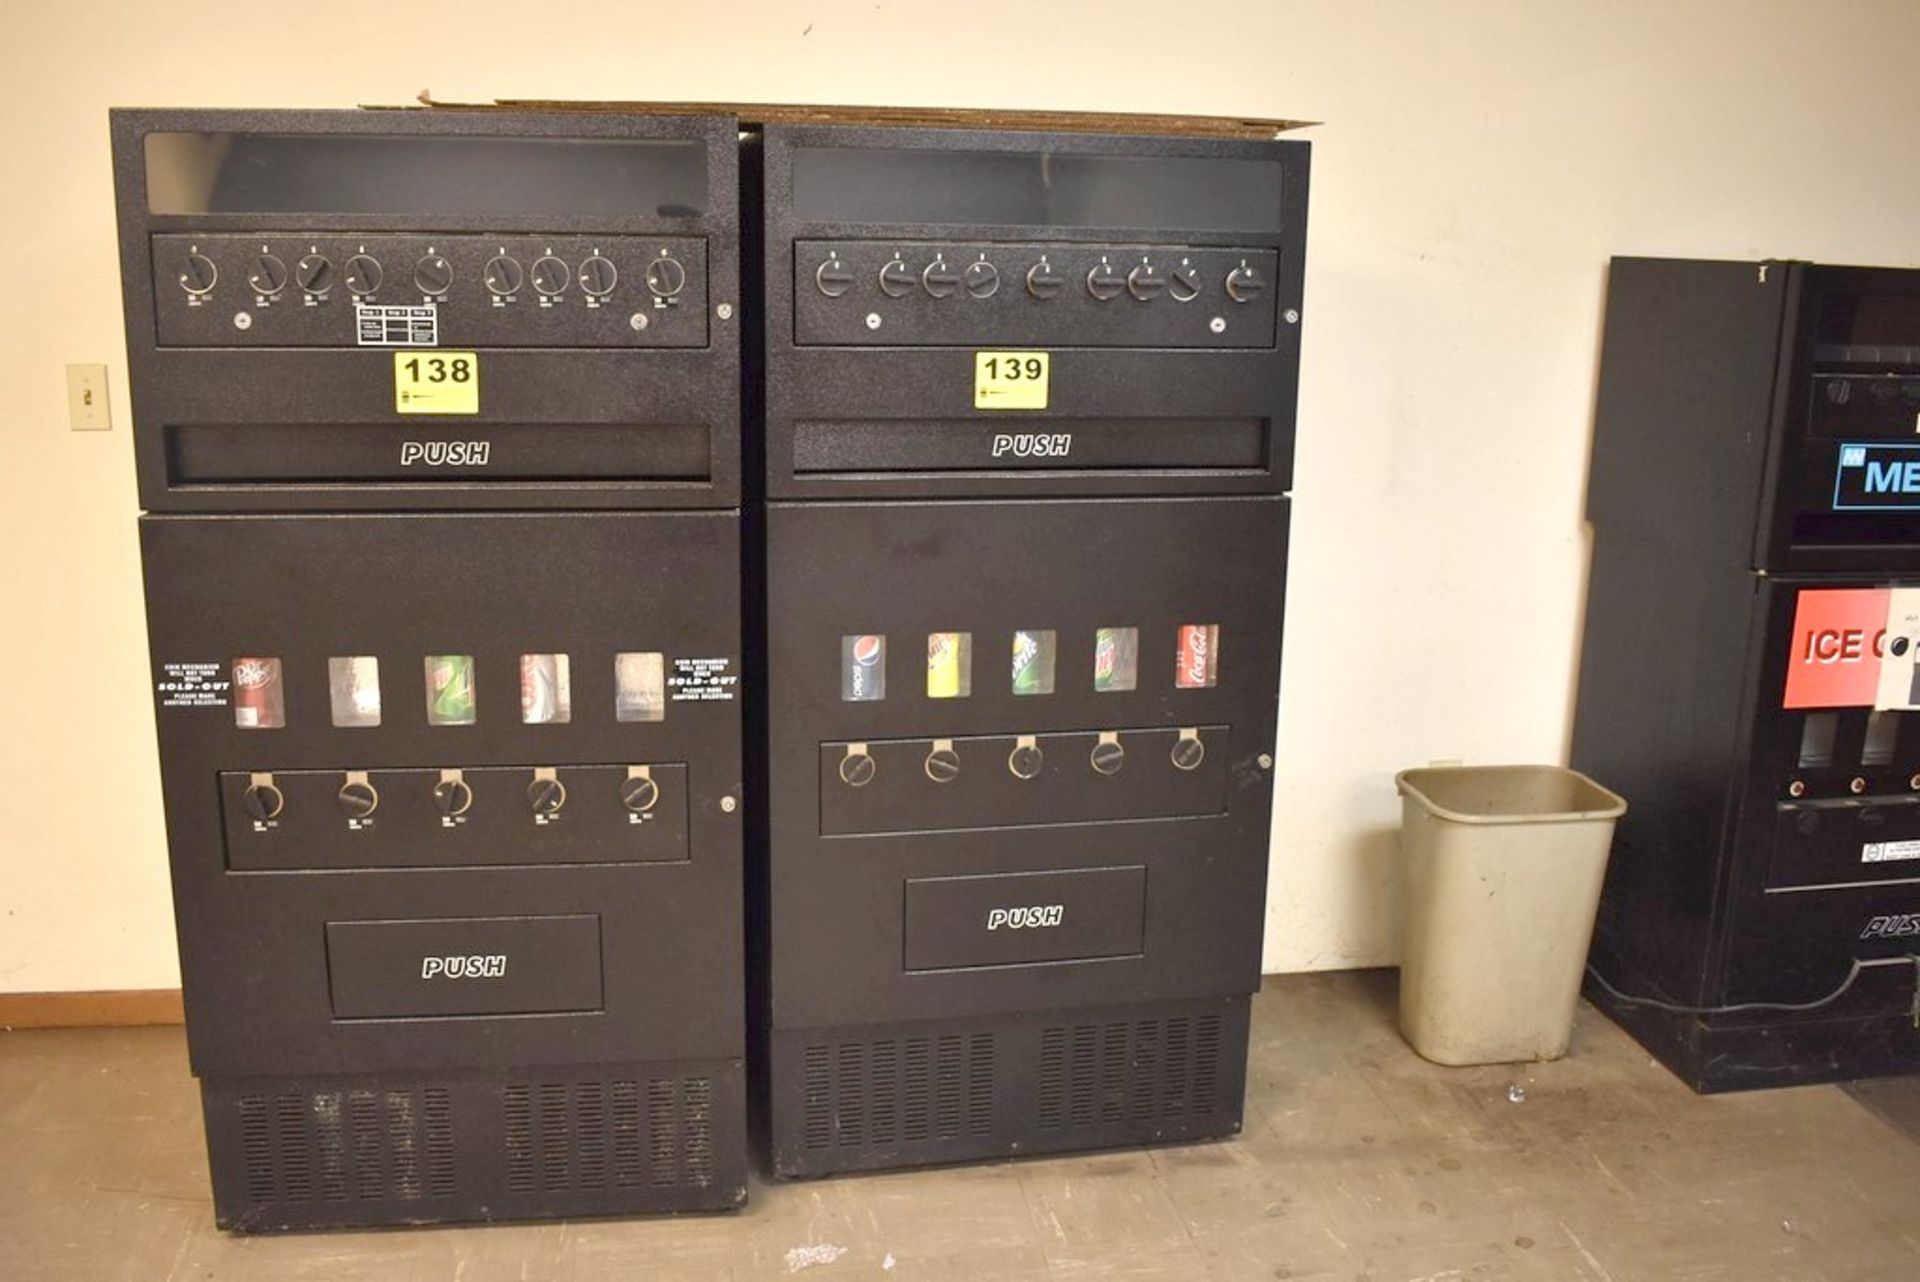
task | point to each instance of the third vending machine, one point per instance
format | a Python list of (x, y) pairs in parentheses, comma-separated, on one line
[(1029, 423)]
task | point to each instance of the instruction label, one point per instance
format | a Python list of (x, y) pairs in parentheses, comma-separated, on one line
[(440, 383), (702, 681), (385, 325), (1886, 852), (193, 685), (1011, 380)]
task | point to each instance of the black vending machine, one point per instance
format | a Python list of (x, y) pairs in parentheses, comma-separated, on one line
[(1749, 675), (1029, 428), (437, 425)]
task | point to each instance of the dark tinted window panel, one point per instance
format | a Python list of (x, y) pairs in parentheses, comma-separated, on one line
[(473, 177), (1034, 189)]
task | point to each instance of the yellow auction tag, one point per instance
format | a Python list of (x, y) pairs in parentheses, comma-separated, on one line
[(1010, 380), (436, 382)]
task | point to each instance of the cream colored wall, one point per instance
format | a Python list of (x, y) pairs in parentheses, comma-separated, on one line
[(1479, 164)]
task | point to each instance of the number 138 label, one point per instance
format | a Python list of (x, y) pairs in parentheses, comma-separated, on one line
[(1010, 380), (436, 383)]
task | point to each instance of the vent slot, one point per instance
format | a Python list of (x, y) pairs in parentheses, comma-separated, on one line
[(898, 1090), (335, 1146), (564, 1136), (1141, 1070)]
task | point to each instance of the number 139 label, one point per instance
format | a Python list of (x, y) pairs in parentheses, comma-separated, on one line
[(436, 383), (1010, 380)]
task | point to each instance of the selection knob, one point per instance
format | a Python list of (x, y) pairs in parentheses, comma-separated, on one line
[(198, 274), (314, 273), (268, 275), (1108, 756), (358, 798), (832, 277), (981, 278), (1025, 760), (546, 795), (1184, 284), (504, 275), (857, 769), (943, 764), (896, 279), (666, 276), (1188, 752), (1105, 282), (1145, 282), (264, 801), (433, 274), (1244, 284), (1044, 282), (939, 279), (598, 276), (363, 273), (550, 275), (453, 797), (639, 793)]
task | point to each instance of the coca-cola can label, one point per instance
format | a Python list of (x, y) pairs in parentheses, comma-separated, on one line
[(1199, 656)]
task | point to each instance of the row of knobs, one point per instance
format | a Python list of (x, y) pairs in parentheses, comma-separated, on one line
[(858, 768), (433, 274), (981, 279), (358, 798)]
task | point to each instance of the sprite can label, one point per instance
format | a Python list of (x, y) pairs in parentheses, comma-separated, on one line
[(1033, 662)]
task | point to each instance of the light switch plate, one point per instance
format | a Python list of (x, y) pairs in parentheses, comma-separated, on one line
[(87, 409)]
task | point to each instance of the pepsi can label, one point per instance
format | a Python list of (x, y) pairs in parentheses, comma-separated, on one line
[(863, 668)]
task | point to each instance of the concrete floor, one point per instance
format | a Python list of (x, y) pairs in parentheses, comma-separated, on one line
[(1360, 1161)]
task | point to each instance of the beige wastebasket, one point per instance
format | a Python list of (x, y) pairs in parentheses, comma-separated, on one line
[(1503, 873)]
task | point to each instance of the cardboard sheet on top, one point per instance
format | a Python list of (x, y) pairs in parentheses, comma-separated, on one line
[(763, 113)]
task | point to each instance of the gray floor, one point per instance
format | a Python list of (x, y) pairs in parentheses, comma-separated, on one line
[(1360, 1161)]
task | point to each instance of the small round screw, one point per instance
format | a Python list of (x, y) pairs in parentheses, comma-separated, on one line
[(873, 320), (724, 311), (1858, 785), (1218, 324), (728, 804), (1293, 316), (1799, 789), (243, 320), (1266, 760), (638, 320)]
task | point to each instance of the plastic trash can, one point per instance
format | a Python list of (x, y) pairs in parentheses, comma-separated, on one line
[(1503, 872)]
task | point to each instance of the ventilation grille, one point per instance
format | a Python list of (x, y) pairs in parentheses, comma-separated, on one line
[(1129, 1071), (563, 1136), (900, 1090), (340, 1146)]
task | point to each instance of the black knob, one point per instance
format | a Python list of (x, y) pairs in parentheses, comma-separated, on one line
[(546, 796), (943, 765), (1025, 760), (503, 275), (1108, 756), (896, 279), (268, 275), (264, 801), (1184, 284), (832, 277), (363, 273), (550, 275), (666, 277), (1043, 282), (198, 274), (1104, 282), (452, 797), (433, 274), (314, 273), (358, 798), (1145, 282), (1244, 284), (939, 279), (1188, 753), (598, 276), (857, 769), (981, 278), (639, 793)]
